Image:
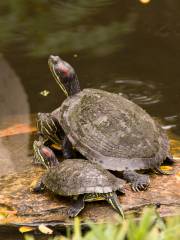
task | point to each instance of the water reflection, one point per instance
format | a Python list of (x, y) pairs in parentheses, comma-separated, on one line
[(65, 26), (14, 149)]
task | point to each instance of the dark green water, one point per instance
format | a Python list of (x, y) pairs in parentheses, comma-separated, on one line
[(120, 46)]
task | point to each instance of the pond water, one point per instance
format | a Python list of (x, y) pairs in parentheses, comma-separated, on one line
[(121, 46)]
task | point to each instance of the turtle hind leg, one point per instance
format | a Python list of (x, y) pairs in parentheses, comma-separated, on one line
[(77, 206), (139, 182), (114, 201), (169, 160)]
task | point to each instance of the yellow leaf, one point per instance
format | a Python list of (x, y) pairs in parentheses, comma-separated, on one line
[(44, 229), (166, 168), (24, 229), (4, 213)]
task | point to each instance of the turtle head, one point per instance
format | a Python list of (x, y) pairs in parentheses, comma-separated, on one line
[(44, 155), (64, 75)]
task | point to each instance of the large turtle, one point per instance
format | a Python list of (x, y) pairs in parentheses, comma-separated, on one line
[(106, 128), (77, 178)]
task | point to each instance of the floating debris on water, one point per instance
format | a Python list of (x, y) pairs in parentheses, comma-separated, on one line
[(75, 55), (45, 93)]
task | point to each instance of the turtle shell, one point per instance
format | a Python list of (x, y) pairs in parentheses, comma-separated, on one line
[(107, 128), (79, 176)]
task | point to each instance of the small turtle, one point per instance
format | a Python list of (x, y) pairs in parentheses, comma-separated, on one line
[(107, 128), (79, 179)]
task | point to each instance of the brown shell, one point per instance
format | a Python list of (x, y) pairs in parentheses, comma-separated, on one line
[(79, 176), (109, 129)]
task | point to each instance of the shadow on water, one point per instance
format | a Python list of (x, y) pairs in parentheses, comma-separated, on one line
[(121, 46)]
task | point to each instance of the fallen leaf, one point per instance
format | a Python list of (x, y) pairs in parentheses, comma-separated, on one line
[(8, 212), (166, 168), (44, 229), (17, 129), (4, 213), (24, 229)]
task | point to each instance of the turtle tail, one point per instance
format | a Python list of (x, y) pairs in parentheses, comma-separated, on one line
[(114, 201)]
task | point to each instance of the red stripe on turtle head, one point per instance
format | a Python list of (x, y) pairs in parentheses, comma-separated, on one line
[(47, 152), (61, 67)]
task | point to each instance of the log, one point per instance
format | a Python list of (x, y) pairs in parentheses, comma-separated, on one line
[(20, 206)]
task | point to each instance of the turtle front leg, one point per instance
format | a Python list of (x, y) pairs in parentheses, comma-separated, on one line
[(77, 206), (114, 201), (139, 182), (67, 148), (39, 187)]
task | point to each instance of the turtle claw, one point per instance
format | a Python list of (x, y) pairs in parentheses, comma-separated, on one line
[(141, 184), (73, 212), (77, 206), (135, 188), (144, 186)]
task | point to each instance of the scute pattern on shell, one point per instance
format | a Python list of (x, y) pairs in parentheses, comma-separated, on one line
[(109, 129), (79, 176)]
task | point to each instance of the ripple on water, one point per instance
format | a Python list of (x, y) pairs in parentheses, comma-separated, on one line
[(85, 4), (171, 122), (140, 92)]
